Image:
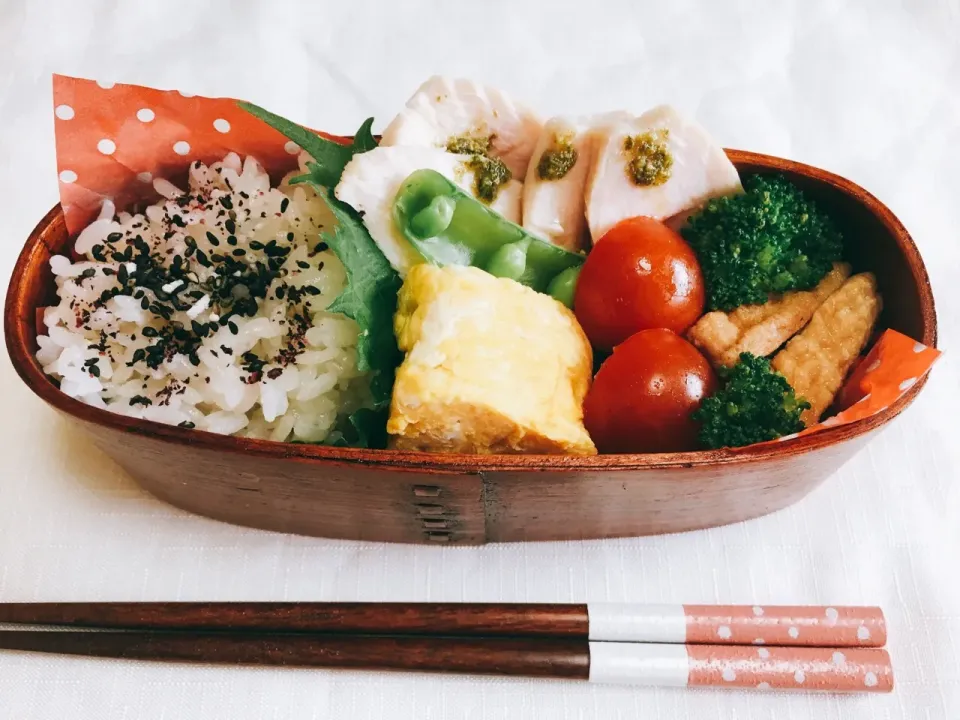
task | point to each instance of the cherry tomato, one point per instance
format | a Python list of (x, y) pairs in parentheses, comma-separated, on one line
[(640, 275), (643, 395)]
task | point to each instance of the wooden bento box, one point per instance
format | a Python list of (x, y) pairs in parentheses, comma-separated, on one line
[(392, 496)]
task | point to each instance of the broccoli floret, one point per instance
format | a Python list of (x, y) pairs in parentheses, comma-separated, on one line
[(770, 239), (754, 404)]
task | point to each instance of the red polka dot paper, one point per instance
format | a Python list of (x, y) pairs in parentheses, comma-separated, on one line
[(893, 365), (114, 139)]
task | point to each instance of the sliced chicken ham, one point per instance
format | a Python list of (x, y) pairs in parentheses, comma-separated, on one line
[(657, 165), (371, 180), (444, 110), (553, 190)]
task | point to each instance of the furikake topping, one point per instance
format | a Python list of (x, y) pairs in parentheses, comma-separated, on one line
[(211, 287), (649, 161)]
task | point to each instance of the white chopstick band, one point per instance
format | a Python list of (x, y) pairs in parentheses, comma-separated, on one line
[(630, 622), (639, 664)]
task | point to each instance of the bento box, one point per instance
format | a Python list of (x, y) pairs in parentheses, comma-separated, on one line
[(393, 496), (425, 496)]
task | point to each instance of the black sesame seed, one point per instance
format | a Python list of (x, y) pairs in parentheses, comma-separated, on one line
[(149, 331), (226, 350), (302, 265), (284, 204), (117, 256), (202, 258), (256, 245), (178, 221), (141, 400), (88, 273), (212, 239), (145, 303), (226, 201), (232, 240), (321, 247), (311, 289), (123, 275), (233, 327), (231, 226), (187, 424)]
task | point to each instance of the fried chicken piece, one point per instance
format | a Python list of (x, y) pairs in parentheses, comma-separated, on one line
[(761, 329), (816, 361)]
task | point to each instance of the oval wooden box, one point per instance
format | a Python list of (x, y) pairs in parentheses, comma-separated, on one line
[(461, 499)]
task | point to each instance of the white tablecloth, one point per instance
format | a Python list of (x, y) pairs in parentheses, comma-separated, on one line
[(869, 90)]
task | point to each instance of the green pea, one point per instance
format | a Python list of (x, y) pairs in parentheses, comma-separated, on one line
[(564, 284), (509, 261), (434, 218)]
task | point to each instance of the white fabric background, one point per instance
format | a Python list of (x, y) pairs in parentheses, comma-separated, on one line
[(868, 89)]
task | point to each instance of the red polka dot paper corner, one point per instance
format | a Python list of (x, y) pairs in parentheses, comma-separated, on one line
[(113, 140)]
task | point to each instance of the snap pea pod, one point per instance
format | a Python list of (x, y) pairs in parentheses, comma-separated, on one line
[(564, 285), (449, 227)]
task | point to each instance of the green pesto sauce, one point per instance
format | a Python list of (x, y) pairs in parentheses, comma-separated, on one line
[(649, 161), (470, 144), (490, 174), (557, 160)]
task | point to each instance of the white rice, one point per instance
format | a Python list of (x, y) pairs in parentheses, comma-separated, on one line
[(278, 368)]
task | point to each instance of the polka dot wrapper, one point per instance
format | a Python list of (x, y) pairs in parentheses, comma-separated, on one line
[(113, 140)]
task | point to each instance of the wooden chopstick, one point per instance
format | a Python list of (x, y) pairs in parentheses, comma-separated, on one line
[(493, 619), (810, 626), (782, 668)]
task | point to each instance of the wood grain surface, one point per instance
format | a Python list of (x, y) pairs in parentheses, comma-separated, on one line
[(490, 619), (526, 657)]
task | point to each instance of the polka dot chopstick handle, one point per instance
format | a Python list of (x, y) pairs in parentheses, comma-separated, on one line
[(784, 625), (760, 668)]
